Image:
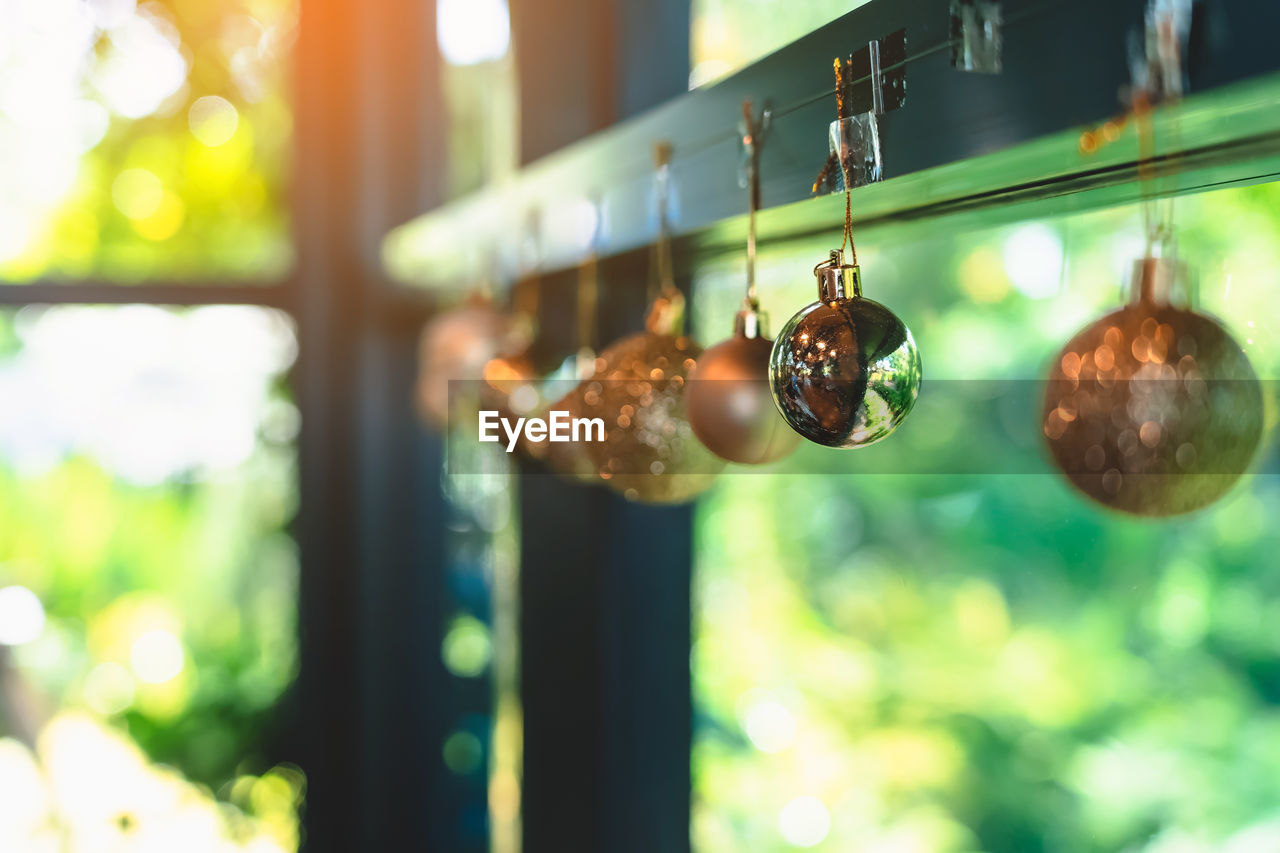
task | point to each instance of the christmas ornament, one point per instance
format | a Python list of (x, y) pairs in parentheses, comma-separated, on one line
[(845, 371), (650, 453), (1153, 410), (455, 346), (730, 406)]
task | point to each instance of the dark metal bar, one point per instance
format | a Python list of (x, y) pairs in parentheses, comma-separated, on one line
[(1065, 63)]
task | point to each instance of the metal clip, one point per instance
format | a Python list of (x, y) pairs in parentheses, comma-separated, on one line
[(751, 136), (1156, 57), (976, 42), (872, 89), (855, 143)]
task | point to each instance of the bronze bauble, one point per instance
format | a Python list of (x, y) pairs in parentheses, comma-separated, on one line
[(731, 408), (650, 453), (454, 347), (844, 371), (1153, 410)]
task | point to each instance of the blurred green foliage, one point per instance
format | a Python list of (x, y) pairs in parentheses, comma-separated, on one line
[(962, 663), (169, 592), (144, 142)]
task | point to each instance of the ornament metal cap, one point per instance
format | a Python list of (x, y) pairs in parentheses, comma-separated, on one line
[(751, 323), (838, 280), (666, 314), (1154, 279)]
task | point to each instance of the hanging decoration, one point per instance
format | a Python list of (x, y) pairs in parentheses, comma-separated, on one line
[(844, 371), (650, 453), (453, 350), (730, 405), (1153, 409)]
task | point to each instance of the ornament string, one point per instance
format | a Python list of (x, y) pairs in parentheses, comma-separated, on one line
[(753, 133), (1157, 213), (836, 161), (589, 287), (663, 266)]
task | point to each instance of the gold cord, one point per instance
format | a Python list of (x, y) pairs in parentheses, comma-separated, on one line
[(848, 192)]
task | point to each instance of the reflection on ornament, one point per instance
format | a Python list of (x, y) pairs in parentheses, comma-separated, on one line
[(650, 453), (455, 346), (1153, 410), (844, 371), (731, 408)]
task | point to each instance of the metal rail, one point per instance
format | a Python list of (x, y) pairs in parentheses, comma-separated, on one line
[(958, 140)]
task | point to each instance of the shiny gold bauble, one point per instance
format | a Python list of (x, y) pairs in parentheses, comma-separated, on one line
[(454, 347), (731, 408), (650, 453), (1153, 410), (845, 371)]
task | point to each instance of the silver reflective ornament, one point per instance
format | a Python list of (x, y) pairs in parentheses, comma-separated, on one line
[(844, 371)]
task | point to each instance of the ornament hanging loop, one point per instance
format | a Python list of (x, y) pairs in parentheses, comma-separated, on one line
[(666, 316), (588, 289), (663, 267), (838, 280), (1158, 70), (752, 131)]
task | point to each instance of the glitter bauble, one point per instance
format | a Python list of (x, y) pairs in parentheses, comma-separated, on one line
[(454, 347), (649, 453), (844, 371), (731, 408), (1153, 410)]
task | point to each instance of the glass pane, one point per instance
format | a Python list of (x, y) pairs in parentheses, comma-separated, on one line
[(144, 140), (147, 579), (989, 662), (729, 34), (478, 78)]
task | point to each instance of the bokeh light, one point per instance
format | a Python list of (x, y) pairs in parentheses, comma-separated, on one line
[(213, 120), (108, 689), (463, 753), (804, 822), (21, 616), (1033, 260), (473, 31), (157, 657), (144, 140), (146, 483), (467, 647), (982, 661)]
